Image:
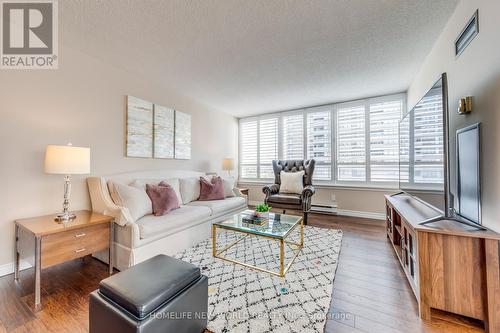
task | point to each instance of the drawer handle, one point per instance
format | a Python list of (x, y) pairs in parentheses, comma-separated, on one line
[(79, 250), (80, 235)]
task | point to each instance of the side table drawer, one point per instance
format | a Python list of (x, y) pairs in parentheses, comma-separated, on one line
[(72, 244)]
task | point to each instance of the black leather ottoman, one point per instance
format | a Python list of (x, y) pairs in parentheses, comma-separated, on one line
[(162, 294)]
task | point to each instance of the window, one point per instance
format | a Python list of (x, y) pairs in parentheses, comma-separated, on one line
[(428, 142), (319, 141), (293, 136), (268, 146), (422, 144), (248, 149), (258, 148), (384, 141), (352, 143)]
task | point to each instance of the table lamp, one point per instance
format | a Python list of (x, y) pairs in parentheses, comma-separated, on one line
[(228, 165), (67, 160)]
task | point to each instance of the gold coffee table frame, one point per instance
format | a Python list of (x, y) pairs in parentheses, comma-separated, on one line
[(296, 247)]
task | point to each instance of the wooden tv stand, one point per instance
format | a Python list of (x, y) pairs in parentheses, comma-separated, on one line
[(450, 266)]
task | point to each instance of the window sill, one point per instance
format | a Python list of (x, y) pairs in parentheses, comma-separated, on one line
[(352, 187)]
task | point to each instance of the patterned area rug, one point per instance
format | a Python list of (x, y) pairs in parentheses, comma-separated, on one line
[(242, 299)]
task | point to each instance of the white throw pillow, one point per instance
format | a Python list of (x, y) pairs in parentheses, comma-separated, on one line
[(228, 187), (190, 189), (292, 182), (174, 182), (135, 199)]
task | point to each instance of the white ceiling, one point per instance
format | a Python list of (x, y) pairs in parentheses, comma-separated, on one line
[(247, 57)]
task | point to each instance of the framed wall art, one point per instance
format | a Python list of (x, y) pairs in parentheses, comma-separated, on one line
[(182, 135), (164, 130), (139, 127)]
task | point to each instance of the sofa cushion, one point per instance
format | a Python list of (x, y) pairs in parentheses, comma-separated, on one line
[(143, 288), (174, 182), (292, 182), (211, 189), (190, 189), (176, 220), (134, 199), (228, 186), (163, 198), (293, 199), (220, 206)]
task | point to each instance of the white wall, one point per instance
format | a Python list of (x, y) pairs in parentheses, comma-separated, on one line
[(475, 72), (83, 102)]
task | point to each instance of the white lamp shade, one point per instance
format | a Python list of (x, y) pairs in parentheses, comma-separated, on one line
[(228, 164), (67, 160)]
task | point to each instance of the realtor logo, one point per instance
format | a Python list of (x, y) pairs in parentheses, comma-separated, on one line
[(29, 34)]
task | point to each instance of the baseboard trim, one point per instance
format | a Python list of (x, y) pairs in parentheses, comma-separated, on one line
[(8, 268), (346, 212)]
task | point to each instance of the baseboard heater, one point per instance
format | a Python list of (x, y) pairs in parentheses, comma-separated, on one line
[(324, 209)]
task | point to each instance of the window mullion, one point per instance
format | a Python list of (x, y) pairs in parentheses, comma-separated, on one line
[(305, 135), (258, 149), (334, 145), (280, 138), (411, 137), (367, 142), (240, 150)]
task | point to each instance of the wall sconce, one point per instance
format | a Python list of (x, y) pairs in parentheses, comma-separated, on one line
[(465, 105)]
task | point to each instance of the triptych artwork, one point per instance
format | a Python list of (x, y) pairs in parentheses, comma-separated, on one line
[(157, 131)]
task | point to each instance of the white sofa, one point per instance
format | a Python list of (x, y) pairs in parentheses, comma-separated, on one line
[(136, 241)]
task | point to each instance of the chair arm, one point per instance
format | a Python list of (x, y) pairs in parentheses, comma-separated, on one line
[(271, 189), (308, 191)]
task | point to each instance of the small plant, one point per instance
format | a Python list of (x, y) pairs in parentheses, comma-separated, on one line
[(262, 208)]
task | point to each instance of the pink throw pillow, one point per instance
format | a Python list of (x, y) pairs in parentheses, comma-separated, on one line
[(163, 198), (213, 190)]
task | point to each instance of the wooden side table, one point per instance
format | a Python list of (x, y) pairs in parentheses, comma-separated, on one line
[(56, 243)]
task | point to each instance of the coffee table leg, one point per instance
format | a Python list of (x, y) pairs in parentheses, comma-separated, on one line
[(282, 257), (16, 253), (214, 240), (302, 233), (38, 243)]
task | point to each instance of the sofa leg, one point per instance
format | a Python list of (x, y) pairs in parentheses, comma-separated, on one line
[(305, 218), (284, 211)]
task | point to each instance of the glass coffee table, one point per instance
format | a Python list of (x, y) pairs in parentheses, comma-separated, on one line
[(278, 227)]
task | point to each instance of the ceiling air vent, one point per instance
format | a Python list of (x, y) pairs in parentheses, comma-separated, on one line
[(467, 35)]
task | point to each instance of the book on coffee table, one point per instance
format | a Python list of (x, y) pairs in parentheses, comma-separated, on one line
[(252, 219)]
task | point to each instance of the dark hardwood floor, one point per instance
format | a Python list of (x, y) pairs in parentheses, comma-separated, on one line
[(370, 292)]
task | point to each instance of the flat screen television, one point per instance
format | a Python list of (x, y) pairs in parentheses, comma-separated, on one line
[(424, 159), (423, 136)]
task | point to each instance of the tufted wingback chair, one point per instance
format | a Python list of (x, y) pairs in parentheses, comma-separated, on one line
[(286, 201)]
